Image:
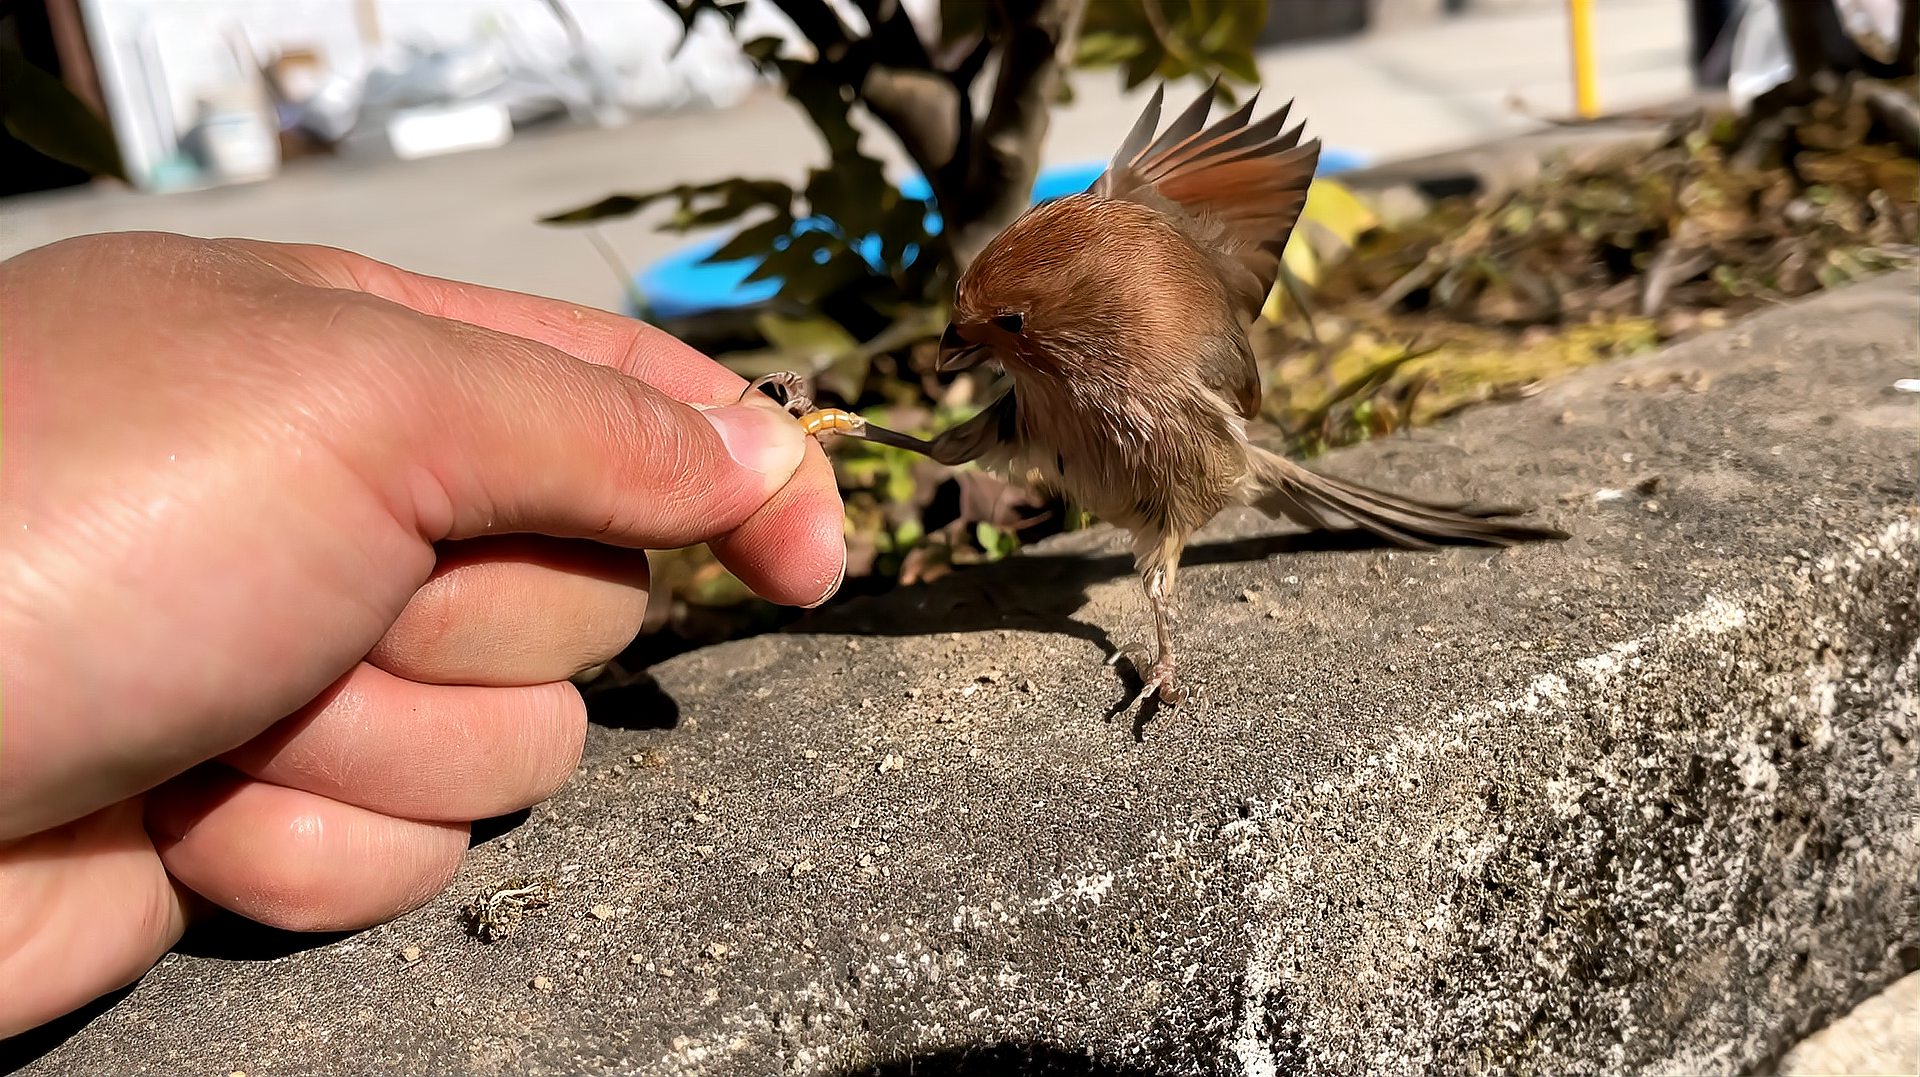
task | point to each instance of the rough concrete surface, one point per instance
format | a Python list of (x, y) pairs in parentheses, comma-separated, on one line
[(1643, 801)]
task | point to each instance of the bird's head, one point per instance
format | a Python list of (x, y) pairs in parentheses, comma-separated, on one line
[(1071, 282)]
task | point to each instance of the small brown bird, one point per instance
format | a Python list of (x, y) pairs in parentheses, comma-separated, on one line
[(1121, 317)]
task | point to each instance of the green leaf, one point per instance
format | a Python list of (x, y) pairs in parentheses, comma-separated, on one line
[(853, 194), (962, 19), (815, 338), (40, 111), (1240, 65), (699, 204), (689, 12), (1107, 49), (826, 100), (901, 226), (901, 484), (1217, 35), (753, 241), (815, 265), (803, 252), (1517, 219), (1143, 65), (612, 206)]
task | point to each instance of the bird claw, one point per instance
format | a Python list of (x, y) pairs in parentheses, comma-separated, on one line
[(1161, 685), (785, 388), (1157, 678)]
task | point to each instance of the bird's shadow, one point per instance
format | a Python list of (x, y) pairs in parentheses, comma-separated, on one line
[(1037, 592), (1044, 592)]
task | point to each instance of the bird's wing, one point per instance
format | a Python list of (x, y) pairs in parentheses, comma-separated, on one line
[(1242, 180)]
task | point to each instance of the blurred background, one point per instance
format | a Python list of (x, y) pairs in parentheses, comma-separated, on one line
[(433, 133), (1510, 188)]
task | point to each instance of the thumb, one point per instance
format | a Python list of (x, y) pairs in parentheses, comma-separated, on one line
[(513, 436)]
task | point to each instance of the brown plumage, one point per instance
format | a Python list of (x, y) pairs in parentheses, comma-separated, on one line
[(1121, 316)]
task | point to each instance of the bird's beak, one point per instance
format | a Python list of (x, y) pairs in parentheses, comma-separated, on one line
[(958, 351)]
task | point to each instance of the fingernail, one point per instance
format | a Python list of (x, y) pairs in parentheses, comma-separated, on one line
[(763, 439)]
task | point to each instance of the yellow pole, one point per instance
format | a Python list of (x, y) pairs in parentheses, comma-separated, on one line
[(1586, 100)]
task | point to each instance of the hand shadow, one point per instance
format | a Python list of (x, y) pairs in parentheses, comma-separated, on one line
[(19, 1052), (630, 701)]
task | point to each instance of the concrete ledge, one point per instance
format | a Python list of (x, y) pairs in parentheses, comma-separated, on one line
[(1644, 801)]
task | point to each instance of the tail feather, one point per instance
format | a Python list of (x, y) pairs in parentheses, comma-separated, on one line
[(1314, 500)]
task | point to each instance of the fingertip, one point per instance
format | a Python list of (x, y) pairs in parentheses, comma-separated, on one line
[(603, 456), (425, 752), (794, 551)]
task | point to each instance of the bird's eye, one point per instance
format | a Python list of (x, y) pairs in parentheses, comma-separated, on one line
[(1010, 323)]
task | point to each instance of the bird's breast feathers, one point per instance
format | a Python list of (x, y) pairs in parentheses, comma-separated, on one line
[(1109, 448)]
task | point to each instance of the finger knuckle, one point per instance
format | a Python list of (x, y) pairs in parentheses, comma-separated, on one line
[(671, 460)]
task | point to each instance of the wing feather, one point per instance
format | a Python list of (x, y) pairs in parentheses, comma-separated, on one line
[(1237, 187)]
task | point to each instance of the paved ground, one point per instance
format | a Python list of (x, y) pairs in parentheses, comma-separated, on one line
[(1404, 90)]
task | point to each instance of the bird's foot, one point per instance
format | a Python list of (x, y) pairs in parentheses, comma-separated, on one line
[(1157, 680), (785, 388), (789, 390), (1161, 684)]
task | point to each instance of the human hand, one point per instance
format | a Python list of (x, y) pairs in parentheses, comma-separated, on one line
[(347, 532)]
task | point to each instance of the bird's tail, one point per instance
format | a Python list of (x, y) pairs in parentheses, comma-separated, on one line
[(1318, 501)]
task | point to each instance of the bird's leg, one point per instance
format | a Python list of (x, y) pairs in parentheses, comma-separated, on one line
[(1157, 679)]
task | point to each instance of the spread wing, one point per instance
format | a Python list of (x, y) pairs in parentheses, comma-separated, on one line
[(1240, 185)]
